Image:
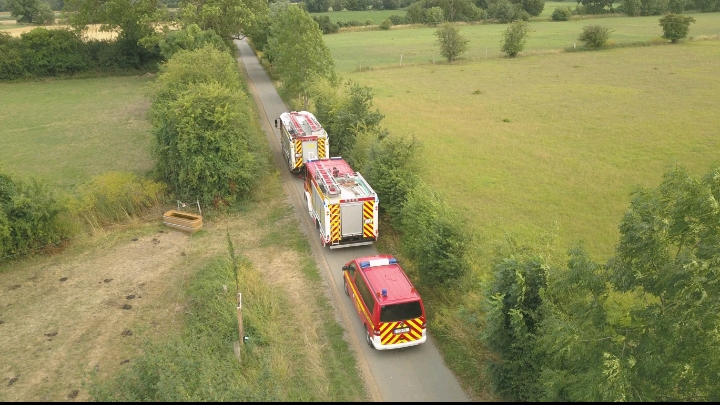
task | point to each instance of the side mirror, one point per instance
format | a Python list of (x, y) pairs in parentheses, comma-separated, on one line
[(345, 267)]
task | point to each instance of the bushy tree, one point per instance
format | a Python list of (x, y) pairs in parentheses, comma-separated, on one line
[(345, 114), (631, 7), (434, 16), (317, 6), (452, 43), (514, 314), (514, 38), (533, 7), (189, 38), (415, 14), (385, 24), (675, 26), (326, 26), (596, 6), (504, 10), (31, 11), (653, 7), (594, 36), (707, 6), (29, 217), (203, 127), (561, 14), (298, 52), (669, 252), (393, 166), (434, 237), (678, 6), (391, 4), (51, 52), (231, 19), (134, 19)]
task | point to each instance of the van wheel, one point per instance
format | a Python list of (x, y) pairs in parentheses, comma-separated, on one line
[(347, 292), (368, 339)]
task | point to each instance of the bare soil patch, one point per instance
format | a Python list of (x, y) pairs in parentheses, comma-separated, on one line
[(89, 308)]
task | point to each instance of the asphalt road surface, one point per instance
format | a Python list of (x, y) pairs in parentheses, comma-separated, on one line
[(412, 374)]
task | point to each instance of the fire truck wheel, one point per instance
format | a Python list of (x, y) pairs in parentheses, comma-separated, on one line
[(347, 292), (317, 224), (368, 339)]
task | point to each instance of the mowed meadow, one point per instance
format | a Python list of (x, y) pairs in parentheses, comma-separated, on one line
[(67, 131), (362, 50), (549, 143)]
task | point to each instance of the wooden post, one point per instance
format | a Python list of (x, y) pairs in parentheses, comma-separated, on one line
[(240, 321), (400, 60)]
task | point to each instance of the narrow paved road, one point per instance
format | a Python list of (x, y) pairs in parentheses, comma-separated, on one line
[(412, 374)]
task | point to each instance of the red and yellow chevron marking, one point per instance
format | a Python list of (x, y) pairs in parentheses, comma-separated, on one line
[(334, 222), (389, 337), (298, 150), (321, 143), (368, 229)]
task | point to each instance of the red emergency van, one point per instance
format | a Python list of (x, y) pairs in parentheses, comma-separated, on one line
[(389, 306)]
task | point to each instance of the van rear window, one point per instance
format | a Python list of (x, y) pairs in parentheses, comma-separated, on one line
[(400, 312)]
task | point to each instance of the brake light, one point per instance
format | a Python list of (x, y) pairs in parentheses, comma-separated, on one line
[(377, 332), (423, 325)]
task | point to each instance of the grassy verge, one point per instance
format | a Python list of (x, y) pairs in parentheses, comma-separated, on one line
[(295, 349)]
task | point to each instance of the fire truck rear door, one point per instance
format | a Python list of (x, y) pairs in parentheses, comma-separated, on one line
[(351, 218)]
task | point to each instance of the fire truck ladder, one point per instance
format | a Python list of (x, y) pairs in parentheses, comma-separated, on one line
[(330, 184)]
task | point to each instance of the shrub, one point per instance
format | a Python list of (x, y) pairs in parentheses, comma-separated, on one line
[(415, 14), (398, 19), (434, 237), (561, 14), (386, 24), (675, 26), (12, 64), (452, 43), (505, 11), (594, 36), (653, 7), (29, 217), (50, 52), (116, 197), (533, 7), (514, 38), (392, 169), (326, 26), (631, 7), (434, 16)]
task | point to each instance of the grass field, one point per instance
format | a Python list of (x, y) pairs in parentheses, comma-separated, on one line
[(376, 16), (66, 131), (555, 143), (376, 49)]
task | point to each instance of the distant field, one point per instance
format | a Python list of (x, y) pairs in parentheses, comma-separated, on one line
[(356, 50), (556, 142), (66, 131), (376, 16)]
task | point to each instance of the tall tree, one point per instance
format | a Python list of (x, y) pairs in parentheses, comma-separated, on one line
[(670, 251), (231, 19), (31, 11), (134, 19), (298, 52)]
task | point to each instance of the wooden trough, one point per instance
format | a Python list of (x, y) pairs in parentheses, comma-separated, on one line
[(183, 221)]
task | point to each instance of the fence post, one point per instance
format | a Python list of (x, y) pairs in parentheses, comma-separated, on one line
[(400, 60), (240, 320)]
